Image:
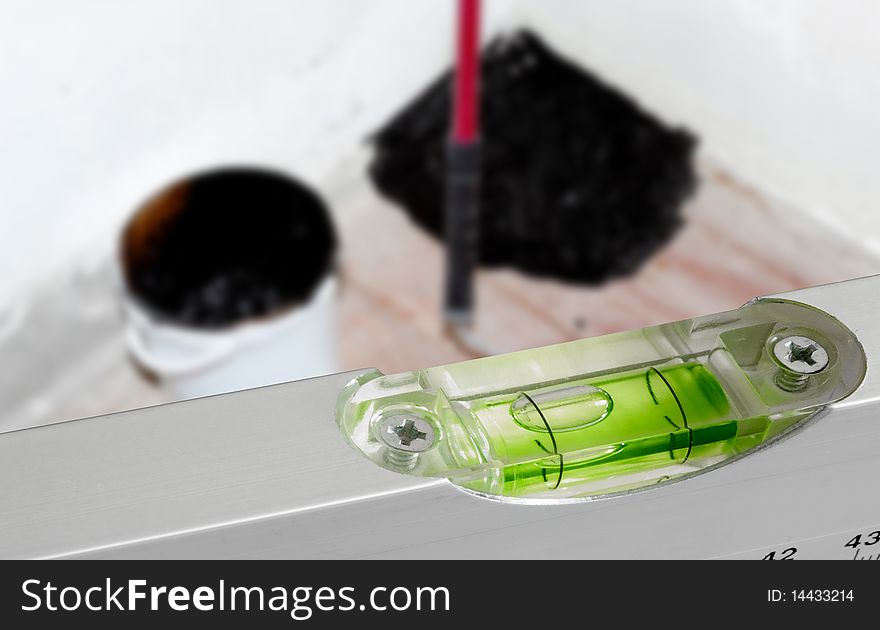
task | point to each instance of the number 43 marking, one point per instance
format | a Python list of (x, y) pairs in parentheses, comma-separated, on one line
[(870, 539)]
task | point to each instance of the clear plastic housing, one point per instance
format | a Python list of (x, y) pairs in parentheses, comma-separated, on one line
[(609, 414)]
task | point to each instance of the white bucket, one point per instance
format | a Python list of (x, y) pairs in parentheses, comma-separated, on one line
[(272, 345), (192, 363)]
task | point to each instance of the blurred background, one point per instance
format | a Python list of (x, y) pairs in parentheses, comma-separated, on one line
[(111, 108)]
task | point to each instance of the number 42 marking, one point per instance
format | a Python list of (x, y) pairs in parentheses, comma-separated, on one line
[(785, 554)]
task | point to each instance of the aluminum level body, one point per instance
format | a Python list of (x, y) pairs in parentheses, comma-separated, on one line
[(264, 473)]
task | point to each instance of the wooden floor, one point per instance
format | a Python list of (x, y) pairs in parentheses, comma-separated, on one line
[(71, 361), (736, 245)]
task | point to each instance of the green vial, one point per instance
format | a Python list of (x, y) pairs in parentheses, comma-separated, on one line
[(559, 437)]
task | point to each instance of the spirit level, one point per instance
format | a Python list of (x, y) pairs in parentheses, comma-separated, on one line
[(766, 415), (608, 414)]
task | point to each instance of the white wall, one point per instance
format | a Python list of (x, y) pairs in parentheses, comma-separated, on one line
[(785, 92), (102, 101)]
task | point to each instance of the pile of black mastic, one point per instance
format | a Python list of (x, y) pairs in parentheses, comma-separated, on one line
[(578, 183)]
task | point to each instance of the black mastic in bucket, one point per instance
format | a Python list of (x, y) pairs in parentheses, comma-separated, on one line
[(228, 245)]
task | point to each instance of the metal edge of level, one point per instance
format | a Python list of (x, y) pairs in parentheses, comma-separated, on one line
[(264, 473)]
